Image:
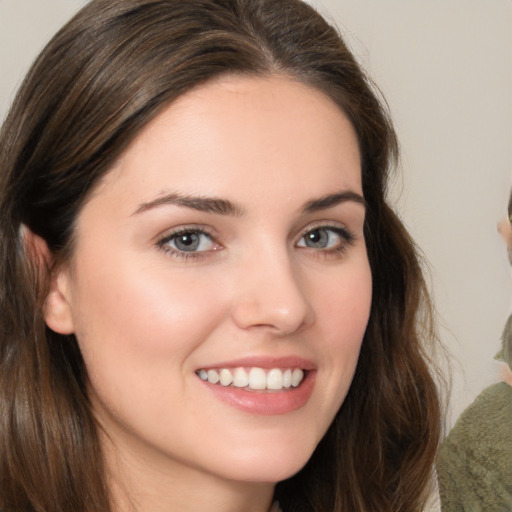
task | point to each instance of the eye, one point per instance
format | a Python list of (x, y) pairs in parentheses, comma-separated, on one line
[(326, 238), (188, 241)]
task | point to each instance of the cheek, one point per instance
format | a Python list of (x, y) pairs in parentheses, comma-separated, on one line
[(342, 320), (345, 306), (139, 323), (137, 334)]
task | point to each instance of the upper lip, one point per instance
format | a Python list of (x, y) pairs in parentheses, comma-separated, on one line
[(265, 362)]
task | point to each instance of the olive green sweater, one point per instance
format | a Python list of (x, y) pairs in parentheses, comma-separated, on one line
[(475, 462)]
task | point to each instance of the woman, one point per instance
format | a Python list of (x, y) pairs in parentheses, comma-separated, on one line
[(202, 284)]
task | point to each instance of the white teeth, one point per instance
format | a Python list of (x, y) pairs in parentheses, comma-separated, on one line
[(256, 378), (297, 377), (287, 379), (213, 376), (240, 378), (275, 379), (225, 377)]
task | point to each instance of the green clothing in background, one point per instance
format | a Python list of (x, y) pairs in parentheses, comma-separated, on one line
[(475, 462)]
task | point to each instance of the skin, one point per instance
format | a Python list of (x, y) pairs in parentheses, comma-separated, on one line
[(505, 230), (146, 318)]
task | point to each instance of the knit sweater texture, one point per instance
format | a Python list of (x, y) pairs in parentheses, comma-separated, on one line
[(475, 462)]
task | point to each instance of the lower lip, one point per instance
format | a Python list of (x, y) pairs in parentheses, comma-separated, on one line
[(266, 403)]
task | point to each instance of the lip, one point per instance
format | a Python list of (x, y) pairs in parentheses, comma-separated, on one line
[(267, 363), (265, 402)]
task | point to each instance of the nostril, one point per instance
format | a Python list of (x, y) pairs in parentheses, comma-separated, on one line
[(277, 319), (272, 297)]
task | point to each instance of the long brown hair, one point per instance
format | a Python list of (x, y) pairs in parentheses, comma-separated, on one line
[(104, 76)]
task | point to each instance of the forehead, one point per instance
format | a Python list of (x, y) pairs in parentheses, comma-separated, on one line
[(247, 137)]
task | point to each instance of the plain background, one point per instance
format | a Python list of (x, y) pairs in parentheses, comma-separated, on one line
[(445, 69)]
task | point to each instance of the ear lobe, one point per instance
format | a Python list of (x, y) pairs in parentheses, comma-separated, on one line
[(57, 309)]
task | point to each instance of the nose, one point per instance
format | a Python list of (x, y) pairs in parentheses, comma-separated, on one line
[(271, 294)]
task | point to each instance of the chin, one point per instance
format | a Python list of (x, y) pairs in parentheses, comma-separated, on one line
[(270, 466)]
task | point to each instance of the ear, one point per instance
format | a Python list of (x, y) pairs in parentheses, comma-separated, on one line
[(57, 308), (57, 305)]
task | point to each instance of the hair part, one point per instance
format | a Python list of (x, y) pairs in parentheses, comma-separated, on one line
[(111, 70)]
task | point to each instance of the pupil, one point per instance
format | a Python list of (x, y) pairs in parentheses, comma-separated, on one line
[(187, 241), (317, 238)]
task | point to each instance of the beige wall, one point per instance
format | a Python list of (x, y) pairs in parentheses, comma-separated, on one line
[(25, 26), (445, 67)]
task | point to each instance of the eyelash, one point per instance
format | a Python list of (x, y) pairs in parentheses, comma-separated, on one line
[(346, 236), (347, 239), (184, 255)]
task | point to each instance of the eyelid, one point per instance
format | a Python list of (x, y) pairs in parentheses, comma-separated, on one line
[(185, 228), (346, 239), (336, 226)]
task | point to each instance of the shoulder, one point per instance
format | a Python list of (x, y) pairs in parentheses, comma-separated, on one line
[(485, 425), (475, 461), (490, 407)]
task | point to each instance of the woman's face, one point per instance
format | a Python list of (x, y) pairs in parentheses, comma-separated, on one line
[(226, 243)]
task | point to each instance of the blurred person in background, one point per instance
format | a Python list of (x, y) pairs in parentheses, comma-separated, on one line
[(475, 461)]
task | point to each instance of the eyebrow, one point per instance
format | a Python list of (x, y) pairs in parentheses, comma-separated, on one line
[(202, 204), (331, 200), (225, 207)]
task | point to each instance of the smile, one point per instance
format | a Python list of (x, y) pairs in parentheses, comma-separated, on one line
[(254, 378)]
